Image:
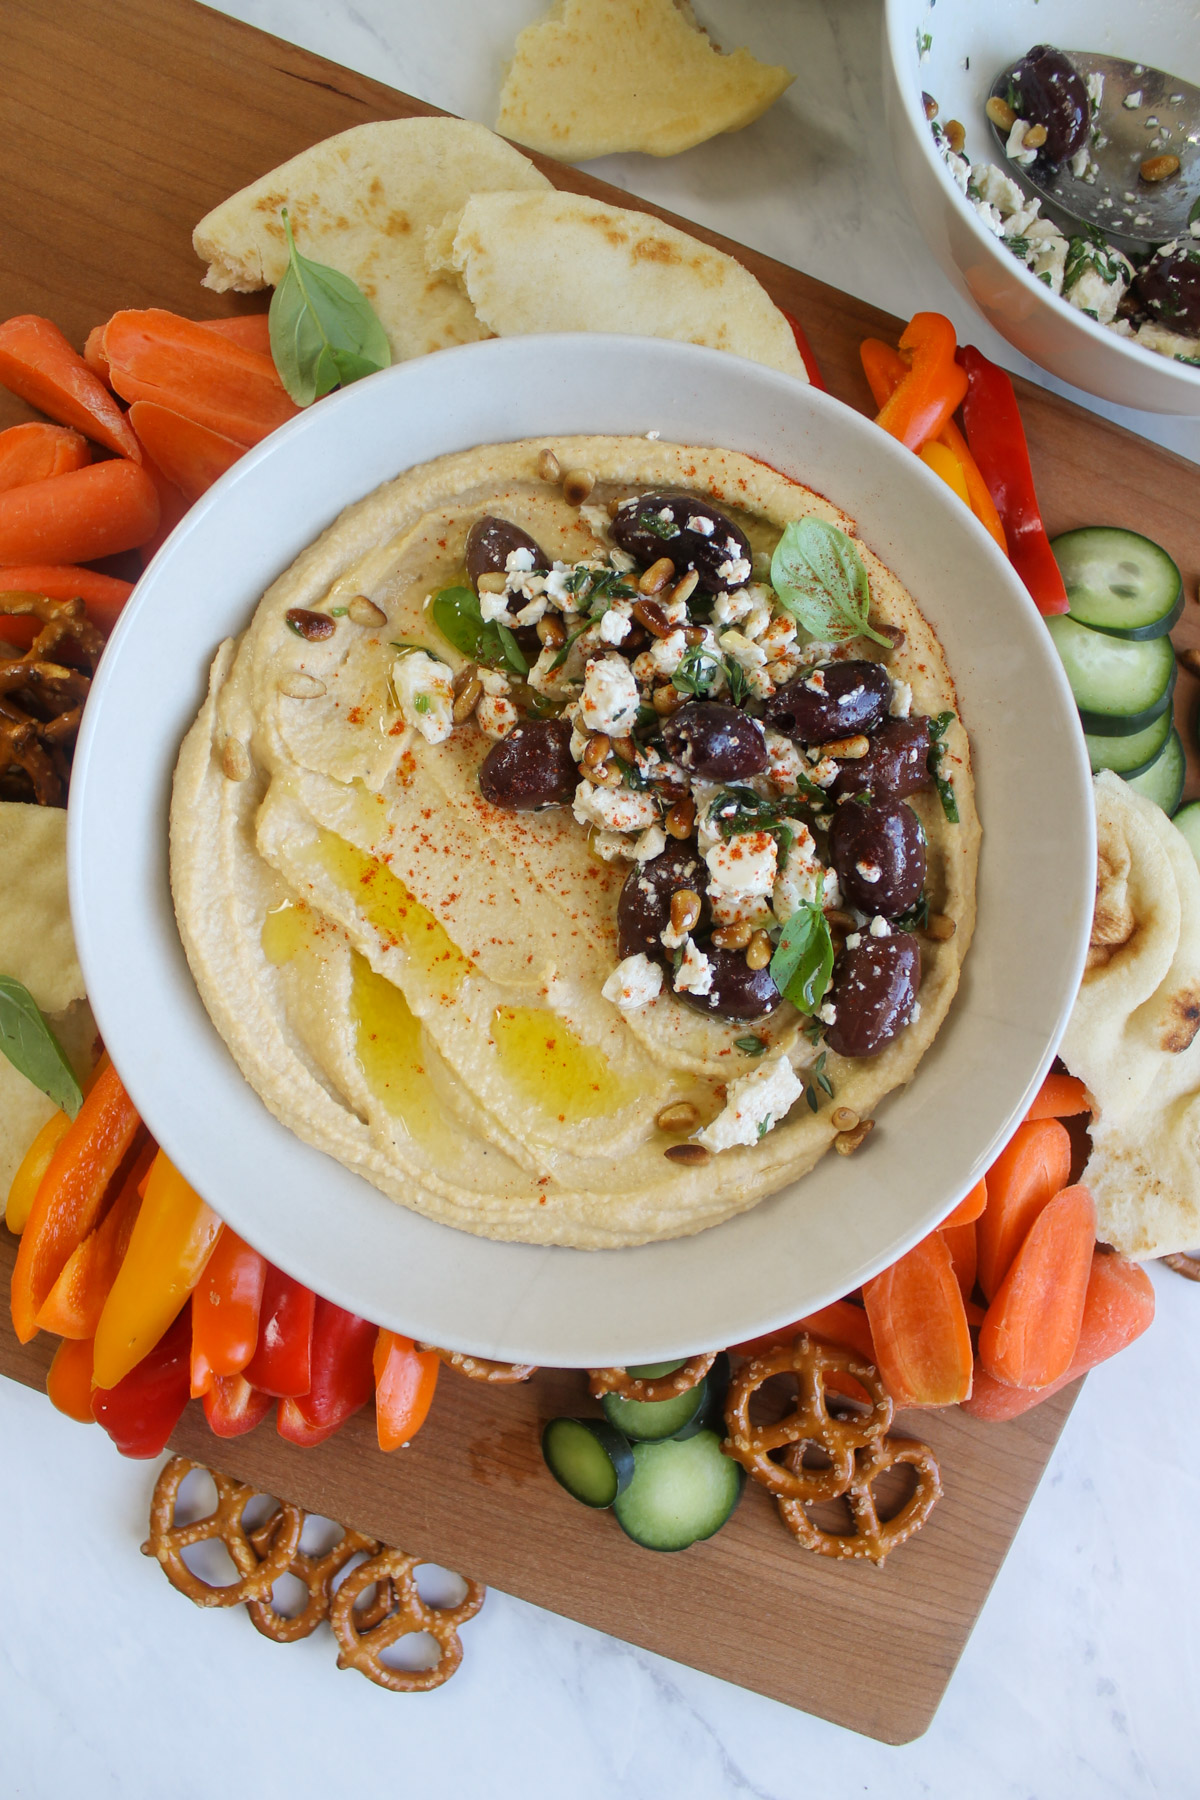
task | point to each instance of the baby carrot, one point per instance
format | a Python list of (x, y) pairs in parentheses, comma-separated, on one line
[(190, 456), (919, 1327), (964, 1254), (1031, 1332), (1060, 1097), (840, 1323), (38, 364), (102, 595), (35, 452), (1034, 1165), (155, 355), (251, 330), (968, 1209), (78, 517)]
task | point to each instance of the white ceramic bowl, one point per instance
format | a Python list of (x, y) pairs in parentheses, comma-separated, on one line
[(969, 45), (796, 1250)]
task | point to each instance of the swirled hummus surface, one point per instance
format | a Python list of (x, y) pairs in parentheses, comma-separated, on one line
[(411, 976)]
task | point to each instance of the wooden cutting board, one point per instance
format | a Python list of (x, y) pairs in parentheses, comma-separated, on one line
[(120, 126)]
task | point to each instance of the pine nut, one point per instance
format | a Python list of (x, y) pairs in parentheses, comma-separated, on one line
[(1157, 168), (551, 631), (1035, 137), (930, 105), (667, 700), (235, 760), (365, 612), (684, 588), (680, 821), (1000, 113), (607, 775), (681, 1116), (577, 485), (650, 614), (1190, 659), (850, 748), (548, 466), (467, 695), (312, 626), (843, 1118), (733, 937), (838, 920), (847, 1142), (693, 635), (956, 136), (613, 508), (656, 577), (491, 583), (626, 749), (685, 910), (690, 1155), (299, 686), (940, 928), (596, 751), (894, 635), (758, 951)]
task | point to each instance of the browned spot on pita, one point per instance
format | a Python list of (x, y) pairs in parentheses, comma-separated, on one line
[(1113, 921), (269, 203), (1183, 1020), (397, 223), (650, 249)]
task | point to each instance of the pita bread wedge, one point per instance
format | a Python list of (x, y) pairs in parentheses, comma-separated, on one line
[(597, 76), (1134, 1034), (362, 202), (563, 262)]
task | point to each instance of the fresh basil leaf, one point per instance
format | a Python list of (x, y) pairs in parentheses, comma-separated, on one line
[(32, 1048), (750, 1046), (563, 654), (513, 655), (821, 580), (455, 612), (802, 965), (324, 330), (937, 750), (406, 647), (698, 670)]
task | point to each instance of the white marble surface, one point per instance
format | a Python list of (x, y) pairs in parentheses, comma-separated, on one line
[(1079, 1681)]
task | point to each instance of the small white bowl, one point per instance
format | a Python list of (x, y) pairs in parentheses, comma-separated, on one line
[(796, 1250), (968, 46)]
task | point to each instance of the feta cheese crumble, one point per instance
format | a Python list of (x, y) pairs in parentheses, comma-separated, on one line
[(633, 983), (609, 701), (695, 973), (753, 1105), (425, 695)]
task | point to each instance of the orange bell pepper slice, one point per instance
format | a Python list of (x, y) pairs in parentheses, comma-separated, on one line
[(405, 1379), (225, 1310), (69, 1380), (73, 1306), (934, 386), (171, 1243), (71, 1195)]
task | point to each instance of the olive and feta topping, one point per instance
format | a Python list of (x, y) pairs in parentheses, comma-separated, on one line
[(753, 1104)]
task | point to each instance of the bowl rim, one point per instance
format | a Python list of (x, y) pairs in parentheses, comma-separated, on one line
[(1091, 330), (511, 1334)]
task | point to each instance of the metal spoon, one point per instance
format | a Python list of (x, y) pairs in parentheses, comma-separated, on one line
[(1142, 113)]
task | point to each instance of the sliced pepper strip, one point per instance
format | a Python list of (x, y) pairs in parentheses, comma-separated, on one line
[(945, 464), (71, 1195), (997, 441), (282, 1362), (225, 1310), (33, 1165), (806, 352), (343, 1377), (141, 1411), (232, 1406), (171, 1242), (405, 1379), (933, 387), (73, 1306), (69, 1380)]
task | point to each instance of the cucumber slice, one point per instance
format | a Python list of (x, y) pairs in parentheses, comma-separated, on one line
[(1118, 581), (589, 1458), (682, 1491), (1120, 685), (1187, 820), (651, 1371), (645, 1421), (1163, 780), (1132, 755)]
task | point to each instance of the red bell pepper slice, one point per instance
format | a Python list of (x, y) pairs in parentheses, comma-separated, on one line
[(997, 441), (343, 1377), (232, 1406), (225, 1308), (806, 351), (143, 1409), (405, 1379), (921, 405), (282, 1362)]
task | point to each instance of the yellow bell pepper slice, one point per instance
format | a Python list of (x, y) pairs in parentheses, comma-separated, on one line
[(28, 1178), (171, 1242), (943, 462)]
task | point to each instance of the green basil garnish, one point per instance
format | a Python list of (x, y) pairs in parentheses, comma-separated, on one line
[(937, 750), (32, 1048), (802, 965), (821, 580), (324, 330), (455, 612), (750, 1046)]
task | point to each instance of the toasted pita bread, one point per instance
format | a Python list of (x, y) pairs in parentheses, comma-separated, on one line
[(1134, 1034), (363, 202), (596, 76), (563, 262)]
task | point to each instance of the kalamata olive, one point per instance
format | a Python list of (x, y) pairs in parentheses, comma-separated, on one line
[(896, 764), (1048, 90), (835, 700), (738, 991), (490, 543), (879, 854), (689, 531), (1169, 286), (530, 768), (874, 989), (715, 741), (644, 907)]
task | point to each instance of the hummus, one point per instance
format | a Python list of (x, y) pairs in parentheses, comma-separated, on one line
[(428, 986)]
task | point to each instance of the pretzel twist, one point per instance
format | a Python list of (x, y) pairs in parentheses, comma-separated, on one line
[(42, 693), (653, 1387), (167, 1541), (810, 1421), (361, 1646), (1184, 1264), (478, 1368), (318, 1573), (872, 1539)]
